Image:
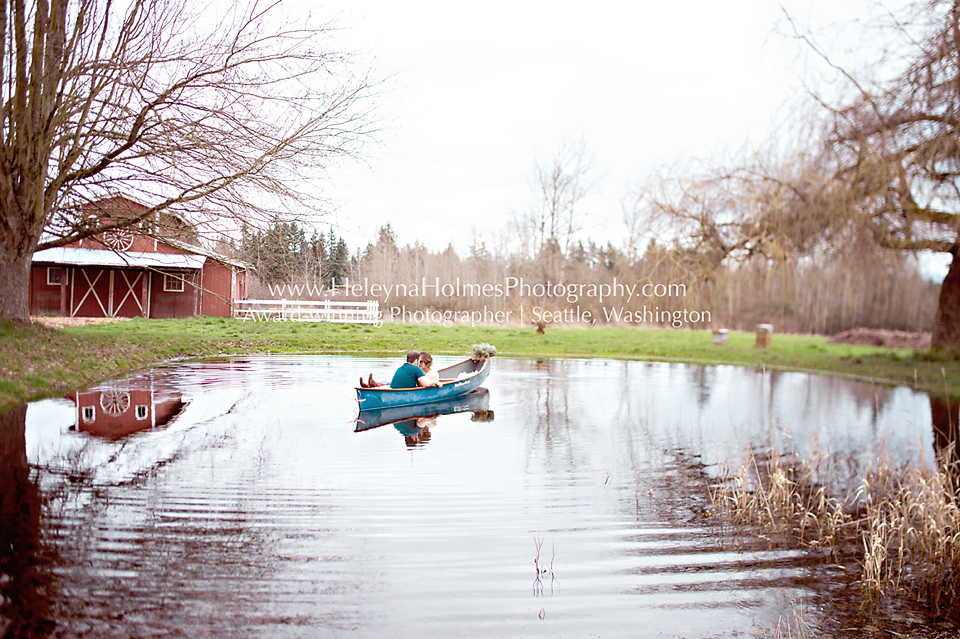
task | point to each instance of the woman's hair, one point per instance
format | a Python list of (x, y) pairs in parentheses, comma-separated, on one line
[(427, 360)]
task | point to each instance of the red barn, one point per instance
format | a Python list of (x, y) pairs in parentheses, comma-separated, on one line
[(131, 273)]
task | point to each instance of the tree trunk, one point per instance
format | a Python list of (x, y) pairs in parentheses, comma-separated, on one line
[(946, 333), (15, 287)]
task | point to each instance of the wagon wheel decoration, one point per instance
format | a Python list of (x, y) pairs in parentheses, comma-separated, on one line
[(118, 239), (114, 402)]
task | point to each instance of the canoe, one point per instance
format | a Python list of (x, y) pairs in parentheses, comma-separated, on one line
[(476, 400), (475, 371)]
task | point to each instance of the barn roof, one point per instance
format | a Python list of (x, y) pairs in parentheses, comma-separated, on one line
[(200, 250), (99, 257)]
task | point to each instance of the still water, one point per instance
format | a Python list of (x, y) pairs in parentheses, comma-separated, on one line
[(570, 499)]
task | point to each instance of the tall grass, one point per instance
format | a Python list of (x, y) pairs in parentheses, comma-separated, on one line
[(903, 522), (911, 539), (792, 626), (781, 496)]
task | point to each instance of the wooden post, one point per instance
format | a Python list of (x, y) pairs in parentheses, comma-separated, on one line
[(63, 290), (145, 275), (149, 294), (73, 282), (110, 295)]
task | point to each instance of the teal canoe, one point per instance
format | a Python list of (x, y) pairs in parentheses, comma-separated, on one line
[(476, 401), (471, 373)]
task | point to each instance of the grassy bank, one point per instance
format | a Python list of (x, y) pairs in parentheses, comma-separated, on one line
[(36, 361)]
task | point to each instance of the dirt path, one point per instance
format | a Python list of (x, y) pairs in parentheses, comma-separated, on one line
[(879, 337), (60, 322)]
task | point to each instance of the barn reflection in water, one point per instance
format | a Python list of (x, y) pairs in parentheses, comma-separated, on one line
[(118, 410)]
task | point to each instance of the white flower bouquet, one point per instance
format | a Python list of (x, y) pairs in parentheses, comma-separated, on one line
[(483, 351)]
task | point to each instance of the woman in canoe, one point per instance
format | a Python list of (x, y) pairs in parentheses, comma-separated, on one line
[(430, 376)]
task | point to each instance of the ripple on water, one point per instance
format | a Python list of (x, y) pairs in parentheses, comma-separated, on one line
[(259, 510)]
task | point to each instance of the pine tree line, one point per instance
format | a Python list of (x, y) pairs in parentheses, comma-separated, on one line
[(283, 254)]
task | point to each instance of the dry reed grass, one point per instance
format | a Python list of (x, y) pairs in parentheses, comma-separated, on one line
[(911, 540), (906, 520), (791, 626), (541, 571), (781, 496)]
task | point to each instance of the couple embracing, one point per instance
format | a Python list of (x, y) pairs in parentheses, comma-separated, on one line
[(417, 371)]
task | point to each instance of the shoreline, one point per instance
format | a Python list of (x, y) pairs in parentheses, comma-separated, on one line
[(39, 361)]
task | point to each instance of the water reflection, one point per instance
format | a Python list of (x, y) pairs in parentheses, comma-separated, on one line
[(415, 422), (117, 410), (945, 415), (25, 580), (259, 511)]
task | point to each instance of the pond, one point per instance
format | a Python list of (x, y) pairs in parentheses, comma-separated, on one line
[(240, 497)]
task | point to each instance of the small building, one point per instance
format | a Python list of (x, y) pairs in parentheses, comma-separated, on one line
[(154, 269)]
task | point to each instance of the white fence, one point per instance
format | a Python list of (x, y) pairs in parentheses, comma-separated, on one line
[(298, 311)]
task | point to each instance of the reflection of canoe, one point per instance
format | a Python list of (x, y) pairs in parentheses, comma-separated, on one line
[(478, 399), (476, 372)]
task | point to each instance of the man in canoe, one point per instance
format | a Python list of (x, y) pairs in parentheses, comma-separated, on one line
[(405, 377)]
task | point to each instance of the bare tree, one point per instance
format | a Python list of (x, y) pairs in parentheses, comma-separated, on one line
[(216, 119), (558, 187), (895, 145), (754, 206)]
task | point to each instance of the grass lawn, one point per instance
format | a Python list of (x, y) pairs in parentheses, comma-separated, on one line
[(36, 361)]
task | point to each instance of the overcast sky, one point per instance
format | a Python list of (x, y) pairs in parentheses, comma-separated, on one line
[(475, 93)]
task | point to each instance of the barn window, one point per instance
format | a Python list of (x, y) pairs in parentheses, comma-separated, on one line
[(54, 276), (89, 413), (173, 282), (142, 411)]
